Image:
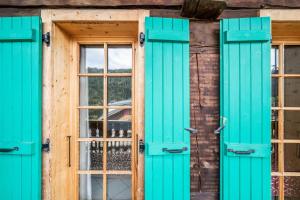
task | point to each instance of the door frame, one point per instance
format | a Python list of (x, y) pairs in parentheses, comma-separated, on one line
[(52, 123)]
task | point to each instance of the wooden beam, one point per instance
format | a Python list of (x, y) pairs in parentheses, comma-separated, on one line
[(203, 9)]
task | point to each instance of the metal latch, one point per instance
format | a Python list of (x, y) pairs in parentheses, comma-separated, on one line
[(141, 146), (46, 145), (142, 38), (46, 38)]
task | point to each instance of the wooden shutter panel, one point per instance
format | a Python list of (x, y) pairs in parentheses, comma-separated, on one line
[(20, 110), (245, 143), (167, 174)]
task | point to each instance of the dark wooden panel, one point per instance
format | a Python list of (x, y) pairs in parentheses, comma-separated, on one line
[(239, 13), (90, 3), (165, 13), (19, 12), (263, 3)]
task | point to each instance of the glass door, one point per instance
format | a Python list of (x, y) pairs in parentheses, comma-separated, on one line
[(105, 141)]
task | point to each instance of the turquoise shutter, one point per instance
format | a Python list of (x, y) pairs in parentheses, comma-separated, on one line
[(167, 155), (20, 110), (245, 144)]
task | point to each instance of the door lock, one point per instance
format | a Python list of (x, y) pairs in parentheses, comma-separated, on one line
[(141, 146)]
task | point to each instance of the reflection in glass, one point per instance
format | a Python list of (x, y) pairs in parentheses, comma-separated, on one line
[(292, 188), (274, 124), (292, 92), (91, 155), (91, 91), (118, 187), (91, 187), (274, 92), (91, 123), (119, 91), (292, 157), (292, 59), (274, 59), (291, 124), (275, 188), (119, 123), (91, 59), (119, 155), (119, 58), (275, 157)]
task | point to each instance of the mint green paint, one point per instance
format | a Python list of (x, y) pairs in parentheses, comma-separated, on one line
[(246, 104), (155, 148), (16, 34), (246, 36), (20, 110), (177, 36), (260, 150), (167, 176)]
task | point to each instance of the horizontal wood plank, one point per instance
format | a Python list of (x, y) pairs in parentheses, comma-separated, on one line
[(246, 36), (16, 35)]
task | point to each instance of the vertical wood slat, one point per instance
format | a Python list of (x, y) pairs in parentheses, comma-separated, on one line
[(21, 116), (166, 111), (245, 102)]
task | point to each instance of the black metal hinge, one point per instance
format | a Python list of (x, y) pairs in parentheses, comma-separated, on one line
[(141, 146), (46, 38), (142, 38), (46, 145)]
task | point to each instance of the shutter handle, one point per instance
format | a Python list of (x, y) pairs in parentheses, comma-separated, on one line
[(5, 150), (218, 130), (250, 151), (175, 150)]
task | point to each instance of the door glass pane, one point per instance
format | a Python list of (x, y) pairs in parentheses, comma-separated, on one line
[(91, 187), (119, 91), (91, 123), (275, 188), (292, 59), (291, 188), (91, 155), (274, 92), (119, 58), (119, 155), (292, 124), (274, 124), (292, 92), (91, 59), (274, 157), (292, 157), (119, 123), (119, 187), (91, 91), (274, 59)]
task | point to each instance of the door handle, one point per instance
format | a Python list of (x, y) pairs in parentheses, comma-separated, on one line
[(5, 150), (218, 130), (250, 151), (175, 150)]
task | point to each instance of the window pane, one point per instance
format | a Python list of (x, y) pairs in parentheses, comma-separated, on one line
[(292, 157), (119, 123), (274, 92), (292, 59), (292, 124), (91, 187), (91, 155), (91, 59), (119, 58), (119, 91), (91, 123), (274, 124), (119, 187), (274, 157), (292, 92), (275, 188), (291, 188), (91, 91), (274, 59), (119, 155)]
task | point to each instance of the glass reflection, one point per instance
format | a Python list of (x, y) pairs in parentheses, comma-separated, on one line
[(91, 91), (291, 188), (119, 155), (91, 155), (274, 59), (275, 92), (275, 188), (91, 59), (274, 124), (119, 123), (292, 92), (292, 157), (292, 124), (119, 58), (119, 91), (292, 59), (119, 187), (91, 123), (91, 187)]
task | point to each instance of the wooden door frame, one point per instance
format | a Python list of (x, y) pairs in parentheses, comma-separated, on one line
[(52, 123)]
